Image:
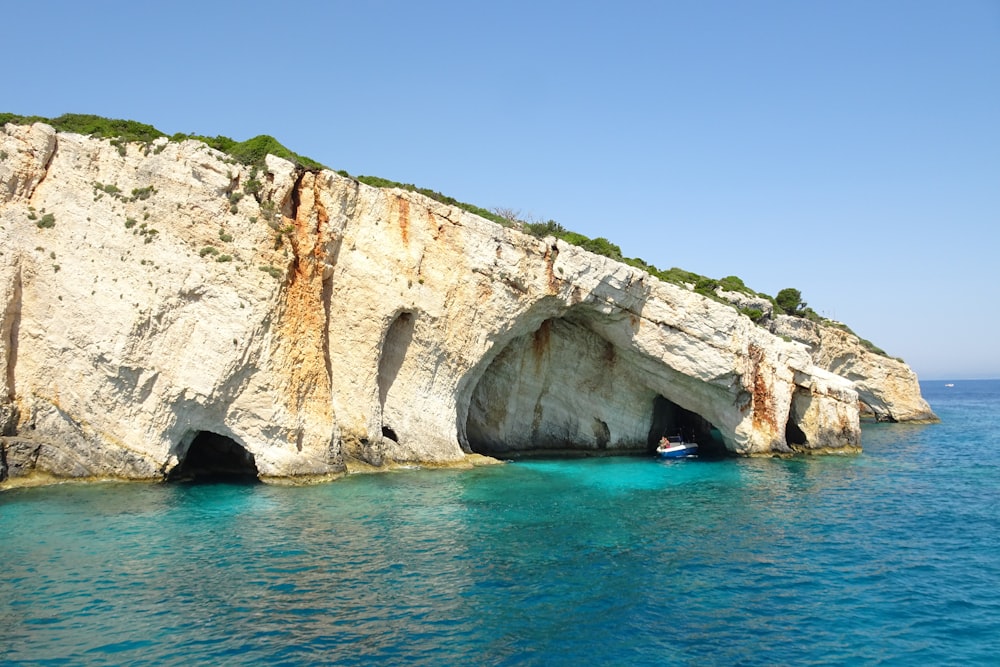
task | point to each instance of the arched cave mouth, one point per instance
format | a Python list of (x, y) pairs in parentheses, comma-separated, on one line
[(566, 390), (671, 419), (212, 457)]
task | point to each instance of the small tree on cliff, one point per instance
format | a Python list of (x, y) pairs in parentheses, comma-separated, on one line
[(790, 301)]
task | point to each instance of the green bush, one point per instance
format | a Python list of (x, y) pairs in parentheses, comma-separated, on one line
[(143, 193), (110, 188), (272, 271), (706, 285), (543, 229), (252, 187), (48, 221), (129, 130), (790, 301), (602, 246), (734, 284), (251, 151)]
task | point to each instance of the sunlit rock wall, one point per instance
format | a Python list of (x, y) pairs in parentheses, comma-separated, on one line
[(155, 292)]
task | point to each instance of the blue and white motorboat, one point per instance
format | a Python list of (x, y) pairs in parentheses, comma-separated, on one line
[(674, 447)]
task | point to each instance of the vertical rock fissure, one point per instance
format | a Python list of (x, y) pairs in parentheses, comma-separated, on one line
[(9, 330), (295, 196), (45, 167), (327, 297), (325, 257), (302, 350)]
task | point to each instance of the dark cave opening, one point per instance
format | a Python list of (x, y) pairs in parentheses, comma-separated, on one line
[(215, 457), (794, 434), (671, 419)]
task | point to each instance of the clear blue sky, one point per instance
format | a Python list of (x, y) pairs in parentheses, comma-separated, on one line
[(850, 149)]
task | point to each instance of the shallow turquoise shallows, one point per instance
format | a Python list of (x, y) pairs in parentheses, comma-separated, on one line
[(890, 557)]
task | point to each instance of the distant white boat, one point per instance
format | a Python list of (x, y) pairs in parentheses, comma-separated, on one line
[(950, 384)]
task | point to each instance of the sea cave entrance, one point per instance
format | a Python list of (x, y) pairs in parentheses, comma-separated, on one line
[(565, 389), (671, 419), (215, 457)]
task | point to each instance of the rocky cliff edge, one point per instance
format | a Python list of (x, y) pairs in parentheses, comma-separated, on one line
[(155, 295)]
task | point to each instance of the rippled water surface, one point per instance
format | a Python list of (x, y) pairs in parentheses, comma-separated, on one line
[(889, 557)]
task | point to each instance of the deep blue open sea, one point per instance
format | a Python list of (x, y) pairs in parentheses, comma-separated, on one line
[(890, 557)]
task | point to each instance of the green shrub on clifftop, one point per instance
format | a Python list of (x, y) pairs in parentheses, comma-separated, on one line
[(251, 151)]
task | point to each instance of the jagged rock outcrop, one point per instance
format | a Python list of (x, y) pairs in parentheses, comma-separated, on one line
[(887, 388), (157, 293)]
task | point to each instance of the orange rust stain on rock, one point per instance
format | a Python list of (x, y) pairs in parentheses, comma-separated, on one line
[(403, 213), (301, 349), (322, 222), (540, 342), (763, 401)]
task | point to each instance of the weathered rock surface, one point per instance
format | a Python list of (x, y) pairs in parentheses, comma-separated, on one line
[(887, 388), (158, 292)]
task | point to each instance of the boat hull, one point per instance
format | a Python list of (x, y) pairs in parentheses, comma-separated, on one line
[(677, 451)]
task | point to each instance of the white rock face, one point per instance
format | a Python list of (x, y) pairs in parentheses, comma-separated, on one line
[(887, 388), (150, 297)]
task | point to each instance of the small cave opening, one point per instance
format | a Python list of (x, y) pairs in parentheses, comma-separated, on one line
[(671, 419), (213, 457), (793, 434), (387, 432)]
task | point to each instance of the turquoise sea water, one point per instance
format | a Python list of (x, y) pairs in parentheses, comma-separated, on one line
[(890, 557)]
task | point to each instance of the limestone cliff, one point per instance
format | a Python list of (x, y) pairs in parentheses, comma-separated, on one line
[(157, 293), (887, 388)]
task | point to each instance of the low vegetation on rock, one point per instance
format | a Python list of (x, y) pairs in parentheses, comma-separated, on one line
[(253, 151)]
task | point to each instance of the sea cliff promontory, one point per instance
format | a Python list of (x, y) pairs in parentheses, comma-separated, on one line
[(167, 307)]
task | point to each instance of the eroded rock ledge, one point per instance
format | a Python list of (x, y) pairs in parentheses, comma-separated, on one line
[(166, 297)]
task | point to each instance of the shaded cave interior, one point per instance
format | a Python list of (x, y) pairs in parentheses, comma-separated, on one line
[(566, 389), (398, 337), (668, 418), (212, 457)]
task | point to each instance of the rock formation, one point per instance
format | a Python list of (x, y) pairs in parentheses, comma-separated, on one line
[(159, 298), (887, 388)]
